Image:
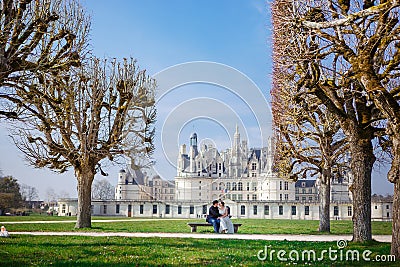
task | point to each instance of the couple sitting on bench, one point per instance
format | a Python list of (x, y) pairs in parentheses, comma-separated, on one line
[(219, 217)]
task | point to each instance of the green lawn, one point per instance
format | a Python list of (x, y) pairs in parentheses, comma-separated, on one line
[(250, 226), (122, 251), (25, 250)]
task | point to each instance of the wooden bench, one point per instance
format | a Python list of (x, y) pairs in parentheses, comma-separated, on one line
[(195, 225)]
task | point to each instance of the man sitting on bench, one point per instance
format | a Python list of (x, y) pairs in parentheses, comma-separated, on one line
[(213, 216)]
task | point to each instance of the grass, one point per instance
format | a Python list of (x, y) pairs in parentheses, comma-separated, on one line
[(250, 226), (25, 250), (122, 251)]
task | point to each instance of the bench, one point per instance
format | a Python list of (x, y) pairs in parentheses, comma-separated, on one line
[(195, 225)]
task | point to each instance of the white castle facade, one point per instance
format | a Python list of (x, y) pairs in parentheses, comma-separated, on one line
[(240, 176)]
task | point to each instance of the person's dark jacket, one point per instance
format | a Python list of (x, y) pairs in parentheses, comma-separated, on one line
[(213, 212)]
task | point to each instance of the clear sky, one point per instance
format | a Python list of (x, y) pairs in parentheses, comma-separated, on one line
[(212, 60)]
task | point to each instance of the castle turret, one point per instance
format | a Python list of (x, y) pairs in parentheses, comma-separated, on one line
[(121, 182), (193, 152)]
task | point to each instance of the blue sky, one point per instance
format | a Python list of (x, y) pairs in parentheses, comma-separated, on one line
[(207, 99)]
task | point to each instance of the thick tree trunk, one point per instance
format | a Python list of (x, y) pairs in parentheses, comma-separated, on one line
[(325, 198), (395, 247), (394, 177), (85, 178), (361, 165)]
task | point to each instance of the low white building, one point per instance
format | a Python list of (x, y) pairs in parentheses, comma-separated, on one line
[(381, 211)]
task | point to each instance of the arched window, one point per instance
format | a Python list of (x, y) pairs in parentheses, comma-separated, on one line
[(221, 186), (242, 210), (234, 186)]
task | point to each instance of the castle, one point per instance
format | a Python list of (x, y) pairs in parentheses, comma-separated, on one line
[(243, 177)]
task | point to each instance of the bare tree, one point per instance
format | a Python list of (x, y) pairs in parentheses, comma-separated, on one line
[(51, 195), (102, 189), (29, 193), (98, 112), (309, 141), (46, 36), (323, 63), (63, 194)]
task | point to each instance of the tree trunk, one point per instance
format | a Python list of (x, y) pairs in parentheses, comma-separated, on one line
[(395, 247), (325, 198), (394, 177), (85, 178), (361, 165)]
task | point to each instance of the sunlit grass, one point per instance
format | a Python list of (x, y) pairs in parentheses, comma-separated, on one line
[(122, 251)]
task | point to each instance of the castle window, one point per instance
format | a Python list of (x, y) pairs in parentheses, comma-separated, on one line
[(306, 210), (280, 185), (219, 166), (286, 196), (253, 174), (104, 209), (254, 186), (228, 186), (240, 186), (248, 186), (349, 211), (167, 209), (280, 196), (117, 208), (242, 210), (335, 211), (221, 186), (255, 209), (141, 209), (204, 209), (191, 209), (179, 209), (254, 197), (293, 210), (234, 186), (254, 166), (286, 185), (154, 209), (266, 210), (280, 210)]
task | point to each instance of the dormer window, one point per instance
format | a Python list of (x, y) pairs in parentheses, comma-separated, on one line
[(254, 166)]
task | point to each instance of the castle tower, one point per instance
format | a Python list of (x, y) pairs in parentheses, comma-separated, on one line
[(193, 152), (121, 183)]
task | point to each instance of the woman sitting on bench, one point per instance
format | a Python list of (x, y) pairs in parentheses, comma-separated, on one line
[(226, 225)]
